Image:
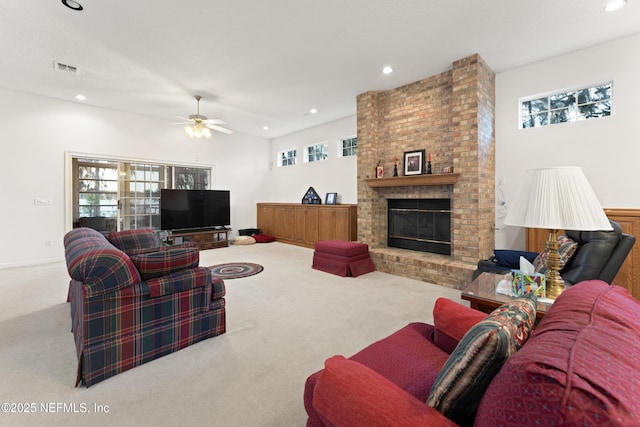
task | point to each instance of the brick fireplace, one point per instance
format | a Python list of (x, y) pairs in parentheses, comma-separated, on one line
[(451, 116)]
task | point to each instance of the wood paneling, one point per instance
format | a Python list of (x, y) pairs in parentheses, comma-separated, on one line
[(629, 220), (304, 225)]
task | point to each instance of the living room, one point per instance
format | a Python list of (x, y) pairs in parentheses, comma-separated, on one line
[(42, 132)]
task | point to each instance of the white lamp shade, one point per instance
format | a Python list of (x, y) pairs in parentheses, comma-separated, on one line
[(557, 198)]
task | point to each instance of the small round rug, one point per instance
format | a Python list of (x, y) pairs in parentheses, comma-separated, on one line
[(235, 270)]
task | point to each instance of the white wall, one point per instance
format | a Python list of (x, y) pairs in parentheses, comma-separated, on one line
[(607, 149), (335, 175), (36, 133)]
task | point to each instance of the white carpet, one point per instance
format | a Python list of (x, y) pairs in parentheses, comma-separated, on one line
[(281, 326)]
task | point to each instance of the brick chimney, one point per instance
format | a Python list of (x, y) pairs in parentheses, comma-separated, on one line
[(450, 116)]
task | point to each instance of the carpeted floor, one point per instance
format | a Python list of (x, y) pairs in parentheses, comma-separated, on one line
[(281, 326)]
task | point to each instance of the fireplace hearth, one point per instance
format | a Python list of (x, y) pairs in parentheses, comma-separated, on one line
[(420, 225)]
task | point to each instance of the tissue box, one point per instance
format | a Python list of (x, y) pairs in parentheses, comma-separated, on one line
[(527, 283)]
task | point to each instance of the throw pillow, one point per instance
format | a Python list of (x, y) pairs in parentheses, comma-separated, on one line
[(161, 263), (264, 238), (451, 321), (511, 258), (244, 240), (567, 249), (479, 356)]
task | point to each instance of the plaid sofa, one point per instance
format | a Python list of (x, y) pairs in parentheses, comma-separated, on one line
[(128, 308)]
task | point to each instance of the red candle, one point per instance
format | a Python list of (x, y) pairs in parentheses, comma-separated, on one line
[(429, 157), (395, 161)]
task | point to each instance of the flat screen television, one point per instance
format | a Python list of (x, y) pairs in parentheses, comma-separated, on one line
[(188, 209)]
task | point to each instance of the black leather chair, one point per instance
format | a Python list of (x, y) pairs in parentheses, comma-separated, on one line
[(599, 255)]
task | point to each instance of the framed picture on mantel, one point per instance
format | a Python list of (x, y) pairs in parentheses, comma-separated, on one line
[(414, 162)]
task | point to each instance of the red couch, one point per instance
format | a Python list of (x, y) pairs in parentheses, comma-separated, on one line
[(579, 367)]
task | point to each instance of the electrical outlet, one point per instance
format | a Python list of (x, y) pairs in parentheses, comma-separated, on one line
[(47, 243)]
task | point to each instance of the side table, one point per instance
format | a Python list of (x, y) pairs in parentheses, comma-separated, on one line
[(482, 296)]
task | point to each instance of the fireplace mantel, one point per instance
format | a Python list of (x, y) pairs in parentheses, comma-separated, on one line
[(414, 180)]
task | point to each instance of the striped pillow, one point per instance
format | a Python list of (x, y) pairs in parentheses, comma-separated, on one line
[(567, 249), (158, 264), (479, 356)]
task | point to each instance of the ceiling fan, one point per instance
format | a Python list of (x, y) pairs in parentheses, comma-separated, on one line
[(200, 126)]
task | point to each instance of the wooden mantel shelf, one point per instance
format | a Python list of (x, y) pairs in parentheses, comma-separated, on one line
[(414, 180)]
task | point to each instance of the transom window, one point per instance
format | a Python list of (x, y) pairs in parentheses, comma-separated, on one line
[(567, 106), (348, 147), (316, 152), (287, 158)]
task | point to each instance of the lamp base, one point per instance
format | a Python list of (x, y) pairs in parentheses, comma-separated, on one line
[(554, 283)]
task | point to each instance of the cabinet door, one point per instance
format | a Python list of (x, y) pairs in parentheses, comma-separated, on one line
[(342, 223), (325, 224), (288, 222), (311, 226), (266, 215), (300, 224)]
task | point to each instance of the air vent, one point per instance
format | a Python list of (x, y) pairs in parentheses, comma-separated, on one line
[(64, 67)]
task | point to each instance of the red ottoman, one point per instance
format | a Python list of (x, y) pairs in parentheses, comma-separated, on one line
[(342, 258)]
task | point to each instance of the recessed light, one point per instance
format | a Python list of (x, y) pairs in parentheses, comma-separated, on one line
[(265, 127), (614, 5), (80, 97), (72, 5), (387, 69), (313, 111)]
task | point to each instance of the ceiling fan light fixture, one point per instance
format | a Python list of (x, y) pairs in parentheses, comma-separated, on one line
[(197, 130), (200, 126)]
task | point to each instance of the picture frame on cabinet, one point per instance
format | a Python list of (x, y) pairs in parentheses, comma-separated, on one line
[(331, 199), (414, 162)]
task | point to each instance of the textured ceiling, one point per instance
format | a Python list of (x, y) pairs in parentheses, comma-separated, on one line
[(267, 63)]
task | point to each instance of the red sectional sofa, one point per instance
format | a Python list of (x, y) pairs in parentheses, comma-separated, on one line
[(128, 308), (579, 367)]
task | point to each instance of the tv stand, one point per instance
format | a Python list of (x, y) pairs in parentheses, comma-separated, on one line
[(204, 238)]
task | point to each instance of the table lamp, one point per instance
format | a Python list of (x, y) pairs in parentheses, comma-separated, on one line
[(558, 198)]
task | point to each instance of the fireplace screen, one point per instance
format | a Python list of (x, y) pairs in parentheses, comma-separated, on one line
[(420, 225)]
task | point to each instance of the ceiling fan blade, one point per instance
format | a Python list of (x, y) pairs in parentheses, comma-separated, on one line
[(220, 129), (214, 122)]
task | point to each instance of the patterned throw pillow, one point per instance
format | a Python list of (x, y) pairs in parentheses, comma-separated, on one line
[(479, 356), (158, 264), (567, 249)]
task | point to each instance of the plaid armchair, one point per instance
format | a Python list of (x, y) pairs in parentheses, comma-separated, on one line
[(130, 308)]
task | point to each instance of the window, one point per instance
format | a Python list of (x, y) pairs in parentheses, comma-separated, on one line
[(348, 147), (316, 152), (567, 106), (140, 195), (287, 158), (191, 178), (96, 188), (128, 192)]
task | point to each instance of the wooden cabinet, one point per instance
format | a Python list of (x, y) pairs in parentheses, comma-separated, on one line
[(334, 223), (208, 239), (305, 225), (629, 220)]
